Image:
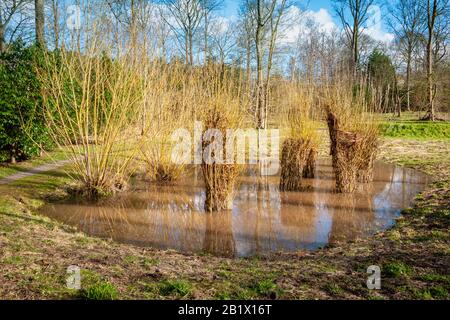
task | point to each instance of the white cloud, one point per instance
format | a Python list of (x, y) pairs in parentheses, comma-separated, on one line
[(298, 23), (374, 26), (380, 35), (324, 20), (326, 23)]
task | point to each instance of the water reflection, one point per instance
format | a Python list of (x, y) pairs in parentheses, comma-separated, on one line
[(263, 219)]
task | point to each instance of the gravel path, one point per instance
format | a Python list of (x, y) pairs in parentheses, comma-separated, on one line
[(34, 171)]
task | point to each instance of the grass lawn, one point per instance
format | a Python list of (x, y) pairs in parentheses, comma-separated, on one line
[(410, 127), (416, 130), (35, 252)]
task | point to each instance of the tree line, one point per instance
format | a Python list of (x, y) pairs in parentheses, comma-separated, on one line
[(409, 73)]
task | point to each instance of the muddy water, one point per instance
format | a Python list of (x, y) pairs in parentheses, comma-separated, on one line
[(263, 220)]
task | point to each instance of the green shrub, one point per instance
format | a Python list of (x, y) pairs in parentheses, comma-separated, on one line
[(21, 117)]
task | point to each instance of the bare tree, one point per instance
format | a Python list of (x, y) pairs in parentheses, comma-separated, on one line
[(406, 22), (246, 41), (317, 53), (267, 15), (223, 40), (353, 15), (185, 19), (435, 11), (55, 9), (209, 6), (8, 10), (56, 19)]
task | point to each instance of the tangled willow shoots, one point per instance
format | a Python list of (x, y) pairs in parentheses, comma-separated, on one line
[(353, 135), (92, 105), (222, 108), (219, 178), (294, 163), (299, 151)]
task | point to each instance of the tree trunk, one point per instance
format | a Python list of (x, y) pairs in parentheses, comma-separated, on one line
[(40, 22), (206, 39), (191, 49), (56, 28), (133, 28), (2, 39), (355, 49), (430, 94), (259, 81), (12, 158), (248, 67), (432, 15), (408, 80), (186, 44)]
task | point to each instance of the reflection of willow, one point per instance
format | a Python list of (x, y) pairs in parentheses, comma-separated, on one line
[(161, 219), (219, 238), (352, 217), (176, 221), (299, 215), (106, 219), (303, 214), (349, 214), (258, 206), (269, 205), (373, 206)]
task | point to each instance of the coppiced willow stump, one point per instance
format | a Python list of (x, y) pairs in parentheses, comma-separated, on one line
[(294, 159), (309, 172), (355, 159), (366, 171), (333, 126), (347, 161), (219, 178), (219, 186)]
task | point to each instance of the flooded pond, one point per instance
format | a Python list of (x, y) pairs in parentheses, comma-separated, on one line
[(263, 219)]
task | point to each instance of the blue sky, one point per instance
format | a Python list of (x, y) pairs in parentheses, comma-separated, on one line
[(322, 12), (231, 6)]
